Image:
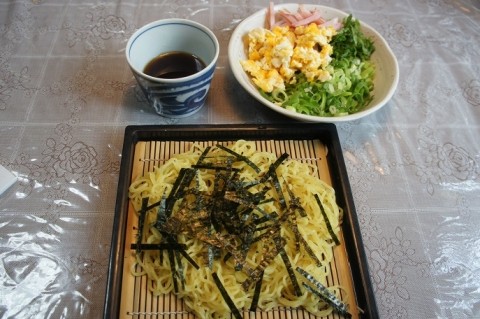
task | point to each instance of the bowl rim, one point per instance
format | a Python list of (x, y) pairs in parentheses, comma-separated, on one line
[(179, 21), (239, 73)]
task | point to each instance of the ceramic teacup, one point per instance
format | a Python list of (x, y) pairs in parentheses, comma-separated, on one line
[(178, 96)]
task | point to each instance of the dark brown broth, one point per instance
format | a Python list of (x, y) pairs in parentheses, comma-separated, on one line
[(173, 65)]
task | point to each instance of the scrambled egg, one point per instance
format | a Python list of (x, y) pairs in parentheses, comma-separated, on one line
[(276, 56)]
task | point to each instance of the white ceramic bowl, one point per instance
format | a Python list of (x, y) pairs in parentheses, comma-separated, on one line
[(386, 77)]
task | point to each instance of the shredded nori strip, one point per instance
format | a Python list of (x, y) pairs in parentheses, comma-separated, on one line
[(141, 221), (291, 273), (213, 167), (204, 154), (177, 182), (324, 293), (278, 188), (256, 294), (167, 246), (272, 174), (240, 158), (190, 259), (273, 167), (295, 203), (257, 273), (184, 178), (161, 212), (173, 270), (211, 251), (310, 252), (299, 240), (266, 218), (180, 268), (292, 223), (226, 297), (234, 198), (211, 256), (325, 217)]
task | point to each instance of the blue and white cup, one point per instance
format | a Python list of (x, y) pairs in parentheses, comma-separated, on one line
[(178, 97)]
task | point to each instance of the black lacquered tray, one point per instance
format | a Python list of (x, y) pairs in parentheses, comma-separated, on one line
[(147, 146)]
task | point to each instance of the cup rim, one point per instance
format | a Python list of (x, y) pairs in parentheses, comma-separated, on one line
[(210, 33)]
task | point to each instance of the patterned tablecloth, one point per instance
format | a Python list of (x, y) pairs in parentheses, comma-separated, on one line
[(66, 95)]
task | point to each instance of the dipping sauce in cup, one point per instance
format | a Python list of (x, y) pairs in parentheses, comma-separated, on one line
[(172, 65), (173, 61)]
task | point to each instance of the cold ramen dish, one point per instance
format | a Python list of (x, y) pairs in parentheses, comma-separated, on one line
[(231, 229), (311, 65)]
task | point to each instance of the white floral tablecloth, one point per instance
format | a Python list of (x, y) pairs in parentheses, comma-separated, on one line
[(66, 95)]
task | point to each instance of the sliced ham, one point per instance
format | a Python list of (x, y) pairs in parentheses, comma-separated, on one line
[(302, 17), (271, 16), (314, 17)]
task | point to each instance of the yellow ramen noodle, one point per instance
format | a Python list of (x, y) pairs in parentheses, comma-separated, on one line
[(198, 289)]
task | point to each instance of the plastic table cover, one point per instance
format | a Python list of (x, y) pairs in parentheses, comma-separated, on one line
[(66, 95)]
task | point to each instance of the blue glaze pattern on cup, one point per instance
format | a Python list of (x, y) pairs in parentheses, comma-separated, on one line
[(177, 100), (178, 97)]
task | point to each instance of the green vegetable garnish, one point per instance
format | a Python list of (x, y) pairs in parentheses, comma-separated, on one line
[(350, 88), (350, 43)]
